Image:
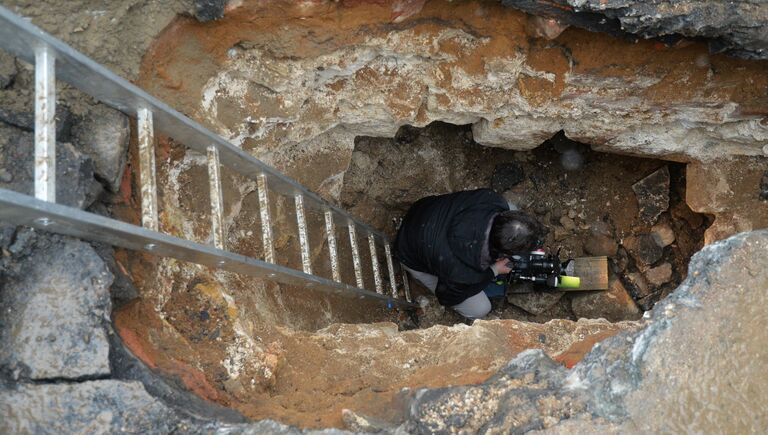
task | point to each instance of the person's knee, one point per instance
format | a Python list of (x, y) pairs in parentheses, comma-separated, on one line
[(476, 307)]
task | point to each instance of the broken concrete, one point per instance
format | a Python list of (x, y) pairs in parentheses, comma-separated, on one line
[(55, 309)]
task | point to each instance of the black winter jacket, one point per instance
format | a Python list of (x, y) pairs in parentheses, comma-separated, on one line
[(444, 236)]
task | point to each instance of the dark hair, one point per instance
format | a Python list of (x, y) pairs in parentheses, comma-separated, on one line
[(514, 232)]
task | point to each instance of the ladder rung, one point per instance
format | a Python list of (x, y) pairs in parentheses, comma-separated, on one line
[(375, 265), (217, 197), (355, 255), (266, 221), (390, 270), (45, 125), (330, 233), (301, 220), (147, 170)]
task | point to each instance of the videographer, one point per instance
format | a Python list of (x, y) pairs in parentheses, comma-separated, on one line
[(456, 244)]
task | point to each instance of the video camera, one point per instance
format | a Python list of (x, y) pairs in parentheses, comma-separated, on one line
[(542, 269)]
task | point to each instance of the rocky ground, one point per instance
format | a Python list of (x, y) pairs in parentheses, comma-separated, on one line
[(96, 340), (630, 209)]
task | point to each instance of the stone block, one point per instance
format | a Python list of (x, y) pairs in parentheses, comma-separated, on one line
[(614, 304), (644, 249), (54, 310), (659, 275), (638, 281), (535, 302)]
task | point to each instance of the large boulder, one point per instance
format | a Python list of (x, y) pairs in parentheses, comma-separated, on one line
[(692, 366), (735, 27)]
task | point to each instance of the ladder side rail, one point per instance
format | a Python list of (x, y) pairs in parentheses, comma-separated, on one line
[(19, 209), (22, 38)]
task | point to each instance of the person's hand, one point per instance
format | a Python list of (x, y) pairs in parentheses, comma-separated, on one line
[(502, 266)]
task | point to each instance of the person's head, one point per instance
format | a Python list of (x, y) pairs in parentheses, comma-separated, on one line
[(514, 232)]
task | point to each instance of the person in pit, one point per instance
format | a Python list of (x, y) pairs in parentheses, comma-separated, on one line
[(455, 245)]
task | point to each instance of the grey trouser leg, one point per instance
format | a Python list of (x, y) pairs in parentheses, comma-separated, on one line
[(475, 307), (427, 280)]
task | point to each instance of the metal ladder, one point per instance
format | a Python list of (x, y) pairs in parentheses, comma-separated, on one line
[(53, 59)]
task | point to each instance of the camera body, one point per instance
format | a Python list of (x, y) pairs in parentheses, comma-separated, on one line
[(541, 269)]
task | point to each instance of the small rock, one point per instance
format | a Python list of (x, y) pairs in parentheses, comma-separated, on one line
[(572, 160), (660, 275), (620, 262), (639, 283), (25, 120), (572, 214), (209, 10), (663, 234), (567, 223), (506, 176), (103, 134), (643, 249), (5, 176), (652, 194), (234, 387), (600, 227), (561, 233), (521, 196), (544, 27), (362, 424), (599, 245), (614, 304), (764, 186), (536, 302), (407, 134), (75, 185), (8, 69)]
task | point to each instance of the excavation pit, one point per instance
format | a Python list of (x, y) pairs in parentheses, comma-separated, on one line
[(373, 112)]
